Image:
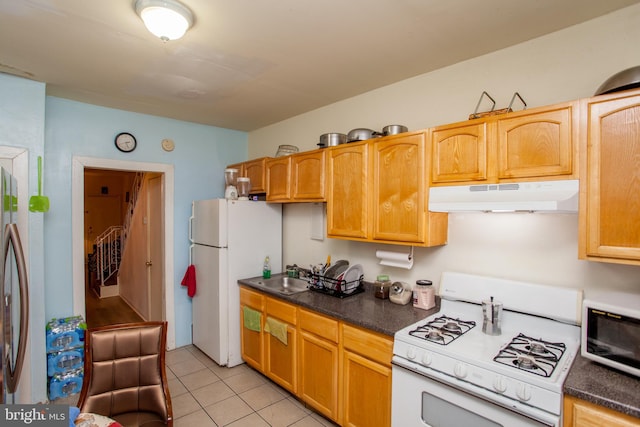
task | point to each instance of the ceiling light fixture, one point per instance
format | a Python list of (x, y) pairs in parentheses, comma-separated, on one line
[(166, 19)]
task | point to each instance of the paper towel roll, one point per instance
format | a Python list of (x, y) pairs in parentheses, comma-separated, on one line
[(395, 259)]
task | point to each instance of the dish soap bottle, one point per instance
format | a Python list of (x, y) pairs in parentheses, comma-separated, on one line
[(266, 268)]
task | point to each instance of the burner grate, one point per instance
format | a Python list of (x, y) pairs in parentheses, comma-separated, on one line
[(532, 355), (442, 330)]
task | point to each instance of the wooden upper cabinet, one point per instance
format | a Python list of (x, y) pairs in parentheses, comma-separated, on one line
[(278, 171), (377, 192), (296, 178), (398, 194), (610, 183), (459, 152), (530, 145), (537, 144), (348, 191), (255, 171), (307, 176), (239, 166)]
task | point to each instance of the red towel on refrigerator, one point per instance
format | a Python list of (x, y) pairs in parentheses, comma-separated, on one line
[(189, 280)]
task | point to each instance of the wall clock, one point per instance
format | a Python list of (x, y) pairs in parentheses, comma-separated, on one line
[(125, 142)]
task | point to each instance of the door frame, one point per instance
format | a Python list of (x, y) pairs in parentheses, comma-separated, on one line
[(77, 234)]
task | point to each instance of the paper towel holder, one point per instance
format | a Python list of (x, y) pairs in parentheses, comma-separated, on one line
[(396, 259)]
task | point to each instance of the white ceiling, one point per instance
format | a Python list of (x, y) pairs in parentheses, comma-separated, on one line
[(246, 64)]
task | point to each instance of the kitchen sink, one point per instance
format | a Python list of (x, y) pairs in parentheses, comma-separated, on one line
[(283, 284)]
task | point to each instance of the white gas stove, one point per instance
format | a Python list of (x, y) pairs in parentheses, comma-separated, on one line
[(511, 379)]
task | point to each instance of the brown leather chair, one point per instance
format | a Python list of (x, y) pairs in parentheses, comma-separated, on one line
[(124, 374)]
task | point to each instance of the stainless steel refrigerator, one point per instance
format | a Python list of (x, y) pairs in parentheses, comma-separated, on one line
[(230, 240), (14, 320)]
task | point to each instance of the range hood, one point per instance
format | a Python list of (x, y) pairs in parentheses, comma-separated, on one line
[(544, 196)]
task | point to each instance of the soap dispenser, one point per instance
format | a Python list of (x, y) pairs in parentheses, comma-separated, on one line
[(266, 268)]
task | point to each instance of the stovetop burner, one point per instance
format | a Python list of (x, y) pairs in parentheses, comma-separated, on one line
[(532, 355), (442, 330)]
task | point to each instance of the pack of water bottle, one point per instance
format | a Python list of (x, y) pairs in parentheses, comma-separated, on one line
[(65, 356), (65, 384), (65, 333)]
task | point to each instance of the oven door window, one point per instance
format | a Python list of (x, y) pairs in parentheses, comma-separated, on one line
[(437, 412)]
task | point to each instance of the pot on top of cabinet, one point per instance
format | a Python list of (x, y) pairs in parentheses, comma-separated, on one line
[(332, 139), (362, 134), (394, 129)]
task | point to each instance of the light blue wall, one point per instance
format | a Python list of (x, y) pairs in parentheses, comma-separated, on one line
[(22, 104), (60, 129), (77, 129)]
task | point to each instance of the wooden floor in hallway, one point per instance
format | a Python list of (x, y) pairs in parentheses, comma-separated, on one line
[(108, 311)]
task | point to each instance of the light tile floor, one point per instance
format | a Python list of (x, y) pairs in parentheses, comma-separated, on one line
[(204, 394)]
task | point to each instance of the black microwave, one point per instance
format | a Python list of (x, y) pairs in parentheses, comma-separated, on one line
[(611, 330)]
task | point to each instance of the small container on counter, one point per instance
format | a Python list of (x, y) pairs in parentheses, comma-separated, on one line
[(400, 293), (424, 296), (382, 286)]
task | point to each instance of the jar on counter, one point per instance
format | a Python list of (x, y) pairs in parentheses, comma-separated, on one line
[(382, 286), (424, 295)]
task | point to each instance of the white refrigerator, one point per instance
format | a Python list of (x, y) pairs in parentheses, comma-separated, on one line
[(230, 240)]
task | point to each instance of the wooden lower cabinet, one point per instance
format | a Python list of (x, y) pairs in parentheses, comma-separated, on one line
[(580, 413), (318, 362), (366, 376), (341, 371), (280, 361), (252, 342)]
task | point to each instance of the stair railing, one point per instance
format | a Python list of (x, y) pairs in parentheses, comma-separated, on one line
[(133, 200), (108, 252)]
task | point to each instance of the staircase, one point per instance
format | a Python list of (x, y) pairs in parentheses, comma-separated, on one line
[(108, 255), (109, 246)]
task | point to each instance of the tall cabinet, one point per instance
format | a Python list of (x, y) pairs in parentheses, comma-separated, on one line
[(610, 190), (348, 183)]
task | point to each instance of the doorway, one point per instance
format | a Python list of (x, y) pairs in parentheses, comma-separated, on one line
[(166, 183), (108, 198)]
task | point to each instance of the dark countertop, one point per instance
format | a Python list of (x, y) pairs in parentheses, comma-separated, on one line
[(603, 386), (363, 309)]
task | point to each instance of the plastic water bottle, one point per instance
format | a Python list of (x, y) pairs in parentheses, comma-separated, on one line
[(266, 268)]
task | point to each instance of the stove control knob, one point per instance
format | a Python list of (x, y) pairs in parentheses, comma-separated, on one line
[(500, 384), (411, 353), (460, 370), (427, 359), (523, 391)]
